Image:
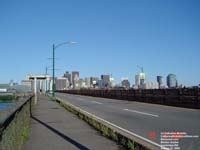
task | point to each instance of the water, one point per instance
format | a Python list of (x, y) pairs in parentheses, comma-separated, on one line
[(5, 105)]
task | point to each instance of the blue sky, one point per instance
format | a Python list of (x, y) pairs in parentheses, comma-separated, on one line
[(113, 36)]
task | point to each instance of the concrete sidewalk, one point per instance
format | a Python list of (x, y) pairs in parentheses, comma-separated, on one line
[(54, 128)]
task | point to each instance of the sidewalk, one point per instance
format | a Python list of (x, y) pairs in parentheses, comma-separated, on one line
[(54, 128)]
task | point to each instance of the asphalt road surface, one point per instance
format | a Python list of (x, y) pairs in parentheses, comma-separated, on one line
[(146, 120)]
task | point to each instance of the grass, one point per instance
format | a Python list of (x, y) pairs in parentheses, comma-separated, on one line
[(7, 98), (25, 133)]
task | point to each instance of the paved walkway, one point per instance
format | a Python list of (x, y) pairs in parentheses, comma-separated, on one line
[(54, 128)]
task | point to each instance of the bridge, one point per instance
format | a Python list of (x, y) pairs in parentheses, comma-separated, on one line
[(64, 122), (44, 83)]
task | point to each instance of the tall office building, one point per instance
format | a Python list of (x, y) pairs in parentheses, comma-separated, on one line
[(125, 83), (81, 84), (150, 85), (62, 83), (171, 81), (160, 81), (142, 78), (105, 80), (112, 82), (94, 81), (87, 82), (68, 76), (137, 80), (75, 78)]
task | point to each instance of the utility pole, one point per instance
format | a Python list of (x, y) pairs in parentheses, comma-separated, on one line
[(53, 85)]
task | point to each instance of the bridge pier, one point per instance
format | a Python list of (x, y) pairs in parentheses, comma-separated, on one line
[(35, 90)]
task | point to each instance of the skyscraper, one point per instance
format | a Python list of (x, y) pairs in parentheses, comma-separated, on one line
[(112, 82), (171, 81), (137, 80), (125, 83), (87, 82), (160, 81), (68, 76), (105, 80), (61, 83), (94, 81), (75, 78), (142, 78)]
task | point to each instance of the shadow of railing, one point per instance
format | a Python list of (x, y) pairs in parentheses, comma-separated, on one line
[(70, 140)]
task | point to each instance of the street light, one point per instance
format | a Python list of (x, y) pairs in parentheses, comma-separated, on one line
[(54, 47)]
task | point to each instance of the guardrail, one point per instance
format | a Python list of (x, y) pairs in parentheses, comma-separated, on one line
[(122, 136), (15, 124), (189, 98)]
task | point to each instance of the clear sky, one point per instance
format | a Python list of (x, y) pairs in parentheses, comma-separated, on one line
[(114, 36)]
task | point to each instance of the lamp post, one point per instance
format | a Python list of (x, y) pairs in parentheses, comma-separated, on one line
[(53, 85), (54, 47)]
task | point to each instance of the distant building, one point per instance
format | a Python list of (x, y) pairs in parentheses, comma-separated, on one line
[(68, 76), (112, 82), (62, 83), (150, 85), (137, 81), (4, 88), (75, 78), (160, 81), (14, 88), (125, 83), (142, 78), (87, 82), (81, 84), (94, 81), (100, 84), (106, 80), (27, 83), (171, 81)]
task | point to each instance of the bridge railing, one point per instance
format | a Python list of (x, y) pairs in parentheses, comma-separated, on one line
[(15, 124), (184, 97)]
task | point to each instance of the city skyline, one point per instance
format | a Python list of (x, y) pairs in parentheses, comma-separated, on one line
[(113, 38)]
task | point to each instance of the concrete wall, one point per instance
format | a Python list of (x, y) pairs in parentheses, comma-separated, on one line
[(15, 130)]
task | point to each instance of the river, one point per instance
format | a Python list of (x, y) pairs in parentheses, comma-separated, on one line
[(5, 105)]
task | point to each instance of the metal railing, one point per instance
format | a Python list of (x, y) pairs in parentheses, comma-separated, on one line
[(184, 97)]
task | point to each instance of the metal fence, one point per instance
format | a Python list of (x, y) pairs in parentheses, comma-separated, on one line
[(184, 97)]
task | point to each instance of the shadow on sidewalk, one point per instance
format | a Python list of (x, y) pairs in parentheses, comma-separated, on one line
[(78, 145)]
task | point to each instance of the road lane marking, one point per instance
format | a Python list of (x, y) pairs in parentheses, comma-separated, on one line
[(114, 125), (96, 102), (139, 112)]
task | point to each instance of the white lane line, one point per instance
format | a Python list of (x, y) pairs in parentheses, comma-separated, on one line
[(139, 112), (80, 99), (114, 125), (96, 102)]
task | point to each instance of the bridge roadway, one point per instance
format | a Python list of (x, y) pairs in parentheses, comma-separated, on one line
[(142, 118), (54, 128)]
